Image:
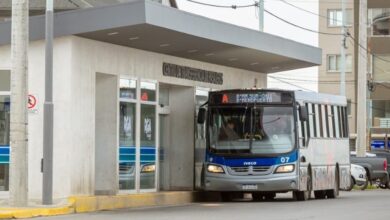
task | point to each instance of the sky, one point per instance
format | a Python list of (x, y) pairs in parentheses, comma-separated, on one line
[(247, 17)]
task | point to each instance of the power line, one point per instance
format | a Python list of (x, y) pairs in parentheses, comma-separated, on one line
[(314, 81), (268, 12), (298, 26), (224, 6), (292, 84), (364, 48)]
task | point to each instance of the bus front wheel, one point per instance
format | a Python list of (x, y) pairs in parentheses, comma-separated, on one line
[(304, 195)]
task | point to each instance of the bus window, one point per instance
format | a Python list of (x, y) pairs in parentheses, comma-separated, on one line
[(330, 120), (324, 121), (336, 122), (312, 125), (317, 121)]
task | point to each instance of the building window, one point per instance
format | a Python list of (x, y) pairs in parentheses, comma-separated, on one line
[(334, 63), (335, 17)]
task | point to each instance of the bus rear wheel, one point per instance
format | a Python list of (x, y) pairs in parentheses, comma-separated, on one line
[(320, 194), (333, 193)]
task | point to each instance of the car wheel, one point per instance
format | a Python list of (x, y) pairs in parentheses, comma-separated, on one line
[(351, 184), (363, 186)]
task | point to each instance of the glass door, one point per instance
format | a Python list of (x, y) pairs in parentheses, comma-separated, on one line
[(138, 138), (148, 136), (127, 134), (4, 141)]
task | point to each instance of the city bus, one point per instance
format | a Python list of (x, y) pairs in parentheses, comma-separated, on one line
[(266, 142)]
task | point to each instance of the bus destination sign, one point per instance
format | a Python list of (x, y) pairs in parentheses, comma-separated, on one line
[(251, 97)]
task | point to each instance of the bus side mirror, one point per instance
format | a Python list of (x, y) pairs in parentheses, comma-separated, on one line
[(303, 113), (201, 115)]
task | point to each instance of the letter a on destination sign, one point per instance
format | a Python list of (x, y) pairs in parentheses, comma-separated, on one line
[(225, 98)]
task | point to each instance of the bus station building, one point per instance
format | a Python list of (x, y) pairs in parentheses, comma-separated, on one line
[(128, 79)]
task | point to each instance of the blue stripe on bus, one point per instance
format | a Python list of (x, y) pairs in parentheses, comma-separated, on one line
[(4, 159), (148, 158), (126, 158), (4, 154), (127, 154), (148, 151), (126, 150), (4, 150), (260, 161)]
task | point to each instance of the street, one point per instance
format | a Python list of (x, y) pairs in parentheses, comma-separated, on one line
[(370, 204)]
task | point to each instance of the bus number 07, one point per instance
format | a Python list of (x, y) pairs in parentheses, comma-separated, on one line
[(284, 159)]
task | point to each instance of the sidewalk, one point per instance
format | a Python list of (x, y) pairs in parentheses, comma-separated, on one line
[(80, 204)]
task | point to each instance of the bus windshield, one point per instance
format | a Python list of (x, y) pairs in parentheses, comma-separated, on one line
[(251, 130)]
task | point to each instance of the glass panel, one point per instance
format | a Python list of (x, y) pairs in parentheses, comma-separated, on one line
[(337, 119), (324, 121), (331, 62), (127, 145), (331, 121), (148, 146), (332, 18), (261, 130), (4, 142), (300, 128), (381, 67), (339, 18), (338, 62), (317, 120), (148, 91), (5, 80), (128, 89), (312, 131)]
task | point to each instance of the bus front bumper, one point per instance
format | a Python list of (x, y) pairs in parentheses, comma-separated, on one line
[(251, 184)]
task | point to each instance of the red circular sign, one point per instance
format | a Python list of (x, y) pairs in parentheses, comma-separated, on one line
[(32, 101)]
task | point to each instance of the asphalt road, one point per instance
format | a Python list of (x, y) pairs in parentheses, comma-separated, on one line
[(370, 204)]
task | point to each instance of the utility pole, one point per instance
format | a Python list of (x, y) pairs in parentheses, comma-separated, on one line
[(361, 141), (343, 47), (47, 182), (18, 126), (261, 15)]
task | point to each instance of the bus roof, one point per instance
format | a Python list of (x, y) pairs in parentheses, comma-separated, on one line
[(320, 98)]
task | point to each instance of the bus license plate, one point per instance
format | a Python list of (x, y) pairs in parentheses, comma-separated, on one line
[(249, 186)]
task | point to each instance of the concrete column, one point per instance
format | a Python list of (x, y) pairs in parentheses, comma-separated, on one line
[(106, 134), (19, 69), (181, 150), (362, 82)]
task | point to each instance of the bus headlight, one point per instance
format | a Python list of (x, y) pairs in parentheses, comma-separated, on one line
[(148, 168), (285, 168), (212, 168)]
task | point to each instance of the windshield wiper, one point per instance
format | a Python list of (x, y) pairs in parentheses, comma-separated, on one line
[(272, 121)]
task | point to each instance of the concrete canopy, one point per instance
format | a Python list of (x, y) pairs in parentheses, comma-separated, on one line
[(153, 27)]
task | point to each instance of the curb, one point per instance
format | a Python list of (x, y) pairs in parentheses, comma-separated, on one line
[(83, 204)]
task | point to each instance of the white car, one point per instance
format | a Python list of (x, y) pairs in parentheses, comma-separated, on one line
[(358, 177)]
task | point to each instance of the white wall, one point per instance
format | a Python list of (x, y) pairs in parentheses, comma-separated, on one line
[(76, 62)]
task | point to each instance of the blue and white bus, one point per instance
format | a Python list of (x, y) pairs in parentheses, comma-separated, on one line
[(273, 141)]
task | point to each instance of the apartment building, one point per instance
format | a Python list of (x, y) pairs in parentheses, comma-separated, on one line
[(378, 43)]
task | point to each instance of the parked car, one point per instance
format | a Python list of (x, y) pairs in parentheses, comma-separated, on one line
[(384, 154), (358, 177), (376, 168)]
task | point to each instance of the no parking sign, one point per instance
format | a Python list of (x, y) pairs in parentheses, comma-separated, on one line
[(32, 104)]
